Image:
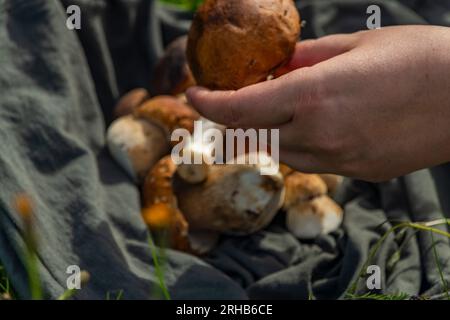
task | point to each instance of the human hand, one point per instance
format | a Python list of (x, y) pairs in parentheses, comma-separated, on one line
[(372, 105)]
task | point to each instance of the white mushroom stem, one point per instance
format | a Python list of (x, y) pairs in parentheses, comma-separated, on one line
[(136, 145), (195, 169), (310, 219), (200, 152)]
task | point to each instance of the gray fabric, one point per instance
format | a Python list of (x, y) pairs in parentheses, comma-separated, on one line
[(57, 89)]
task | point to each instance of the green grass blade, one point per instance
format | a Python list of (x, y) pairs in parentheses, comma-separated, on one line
[(438, 265), (68, 294), (158, 269), (422, 226), (34, 281)]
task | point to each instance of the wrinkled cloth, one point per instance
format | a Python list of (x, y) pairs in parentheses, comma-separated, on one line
[(57, 91)]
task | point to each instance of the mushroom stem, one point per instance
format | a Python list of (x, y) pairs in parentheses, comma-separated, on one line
[(201, 152), (309, 211), (160, 210)]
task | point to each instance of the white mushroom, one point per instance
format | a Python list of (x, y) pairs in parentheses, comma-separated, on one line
[(309, 219), (138, 141), (204, 148), (136, 145)]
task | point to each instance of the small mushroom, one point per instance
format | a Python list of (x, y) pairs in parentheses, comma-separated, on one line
[(309, 219), (130, 102), (169, 113), (193, 172), (207, 146), (301, 187), (138, 141), (172, 74), (309, 211), (136, 145)]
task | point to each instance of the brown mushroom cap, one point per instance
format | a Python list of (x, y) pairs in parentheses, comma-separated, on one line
[(236, 43), (136, 145), (301, 187), (130, 102), (309, 219), (169, 113), (172, 74)]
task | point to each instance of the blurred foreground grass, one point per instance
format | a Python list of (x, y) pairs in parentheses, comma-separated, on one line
[(5, 286), (190, 5)]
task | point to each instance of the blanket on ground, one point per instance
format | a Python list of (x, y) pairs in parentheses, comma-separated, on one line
[(57, 90)]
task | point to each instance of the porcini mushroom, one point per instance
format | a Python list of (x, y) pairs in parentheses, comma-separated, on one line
[(234, 199), (309, 219), (136, 145), (302, 187), (309, 211), (130, 102), (236, 43), (193, 172), (160, 212), (169, 113), (203, 149), (172, 75), (138, 141)]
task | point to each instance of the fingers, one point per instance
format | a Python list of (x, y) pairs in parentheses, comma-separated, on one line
[(311, 52), (263, 105), (302, 161), (270, 103)]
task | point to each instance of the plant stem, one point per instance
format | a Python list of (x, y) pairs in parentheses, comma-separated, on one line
[(423, 226), (67, 294), (158, 269), (438, 265)]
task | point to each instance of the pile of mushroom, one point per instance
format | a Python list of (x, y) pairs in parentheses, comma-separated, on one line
[(195, 203)]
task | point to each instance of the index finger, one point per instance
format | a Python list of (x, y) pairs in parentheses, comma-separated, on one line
[(263, 105)]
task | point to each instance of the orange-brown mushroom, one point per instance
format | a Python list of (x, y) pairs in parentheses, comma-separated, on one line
[(169, 113), (236, 43), (139, 140), (172, 75), (310, 212), (160, 210), (130, 102)]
